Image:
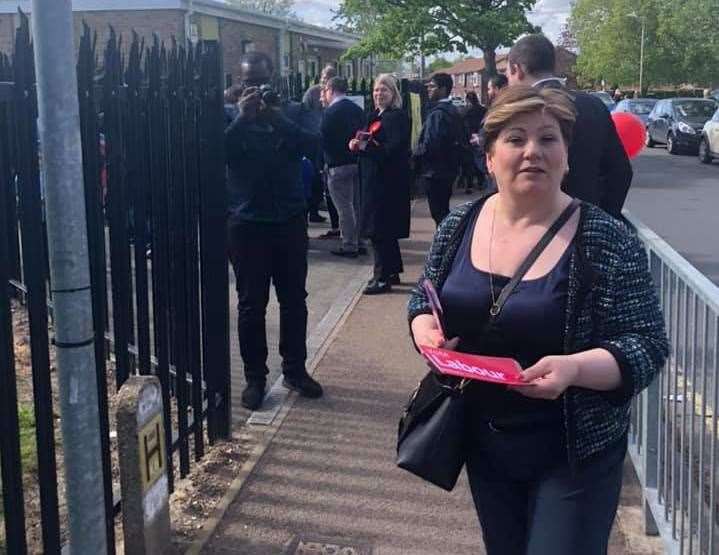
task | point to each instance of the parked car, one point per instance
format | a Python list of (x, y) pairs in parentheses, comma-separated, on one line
[(640, 107), (678, 122), (709, 142), (605, 97)]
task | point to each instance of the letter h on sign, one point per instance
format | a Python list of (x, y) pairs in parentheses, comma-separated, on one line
[(151, 452)]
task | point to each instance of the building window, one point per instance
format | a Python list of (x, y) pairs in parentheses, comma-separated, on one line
[(248, 46)]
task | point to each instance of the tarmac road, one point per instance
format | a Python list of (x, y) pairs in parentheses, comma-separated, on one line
[(678, 197)]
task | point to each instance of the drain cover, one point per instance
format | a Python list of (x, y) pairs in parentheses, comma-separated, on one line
[(302, 545)]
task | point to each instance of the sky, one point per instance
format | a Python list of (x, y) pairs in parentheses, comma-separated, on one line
[(549, 14)]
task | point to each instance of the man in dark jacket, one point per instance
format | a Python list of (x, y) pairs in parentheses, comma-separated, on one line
[(599, 170), (340, 122), (267, 230), (438, 152)]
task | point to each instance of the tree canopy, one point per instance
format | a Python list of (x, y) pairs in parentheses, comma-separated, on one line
[(410, 27), (681, 42)]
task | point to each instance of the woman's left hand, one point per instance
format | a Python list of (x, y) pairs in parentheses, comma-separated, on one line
[(549, 378)]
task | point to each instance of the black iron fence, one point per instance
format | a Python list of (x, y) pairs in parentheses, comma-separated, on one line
[(152, 136)]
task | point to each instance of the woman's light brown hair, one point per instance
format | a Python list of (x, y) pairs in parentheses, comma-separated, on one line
[(519, 100)]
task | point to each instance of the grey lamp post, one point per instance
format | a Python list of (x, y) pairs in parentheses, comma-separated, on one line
[(641, 49)]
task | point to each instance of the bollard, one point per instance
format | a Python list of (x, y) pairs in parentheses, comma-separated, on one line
[(143, 467)]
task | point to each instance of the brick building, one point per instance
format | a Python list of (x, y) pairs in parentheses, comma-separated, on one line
[(295, 46), (468, 74)]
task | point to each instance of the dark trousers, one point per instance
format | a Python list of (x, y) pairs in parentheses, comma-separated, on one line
[(439, 191), (263, 253), (530, 503), (316, 193), (387, 258)]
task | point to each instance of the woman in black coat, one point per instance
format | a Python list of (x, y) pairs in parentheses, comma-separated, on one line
[(384, 149)]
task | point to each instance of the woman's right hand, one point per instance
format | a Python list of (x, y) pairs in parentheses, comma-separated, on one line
[(354, 145), (426, 332)]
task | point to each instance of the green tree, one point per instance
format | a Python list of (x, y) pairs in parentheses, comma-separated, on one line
[(438, 64), (282, 8), (680, 46), (393, 30), (485, 24), (689, 31), (404, 27)]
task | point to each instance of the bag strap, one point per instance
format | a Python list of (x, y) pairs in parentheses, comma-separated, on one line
[(532, 257)]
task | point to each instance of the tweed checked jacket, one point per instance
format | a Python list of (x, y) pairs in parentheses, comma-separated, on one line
[(611, 304)]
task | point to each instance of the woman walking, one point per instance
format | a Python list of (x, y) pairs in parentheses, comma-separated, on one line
[(544, 460)]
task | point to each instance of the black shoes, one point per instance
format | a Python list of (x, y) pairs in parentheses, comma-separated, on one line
[(304, 385), (345, 253), (331, 234), (377, 286), (253, 395), (394, 279)]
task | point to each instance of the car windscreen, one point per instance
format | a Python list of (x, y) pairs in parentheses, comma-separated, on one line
[(695, 108), (641, 108), (604, 97)]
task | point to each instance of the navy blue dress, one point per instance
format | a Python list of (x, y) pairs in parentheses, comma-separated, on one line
[(530, 326)]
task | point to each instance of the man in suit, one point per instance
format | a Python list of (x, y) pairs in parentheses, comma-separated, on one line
[(340, 122), (438, 151), (599, 170)]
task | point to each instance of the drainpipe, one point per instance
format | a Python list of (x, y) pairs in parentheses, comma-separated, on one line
[(188, 20)]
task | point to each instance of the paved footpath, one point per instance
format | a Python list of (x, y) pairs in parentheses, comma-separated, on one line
[(323, 471)]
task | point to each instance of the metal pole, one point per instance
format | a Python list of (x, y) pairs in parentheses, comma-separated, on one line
[(69, 269), (641, 59)]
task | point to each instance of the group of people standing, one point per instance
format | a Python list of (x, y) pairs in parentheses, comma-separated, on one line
[(544, 459), (270, 146)]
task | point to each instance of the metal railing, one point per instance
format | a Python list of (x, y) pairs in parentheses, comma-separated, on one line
[(673, 434), (151, 122)]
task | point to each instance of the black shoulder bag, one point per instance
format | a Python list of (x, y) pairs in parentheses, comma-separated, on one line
[(430, 439)]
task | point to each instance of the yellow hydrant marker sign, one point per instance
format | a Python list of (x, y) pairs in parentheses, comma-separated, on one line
[(152, 452), (143, 467)]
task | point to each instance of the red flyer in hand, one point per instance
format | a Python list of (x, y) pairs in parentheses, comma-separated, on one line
[(500, 370)]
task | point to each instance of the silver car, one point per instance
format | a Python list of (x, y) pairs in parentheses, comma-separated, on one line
[(709, 143), (640, 107)]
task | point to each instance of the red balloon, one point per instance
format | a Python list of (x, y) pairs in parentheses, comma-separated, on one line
[(631, 132)]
